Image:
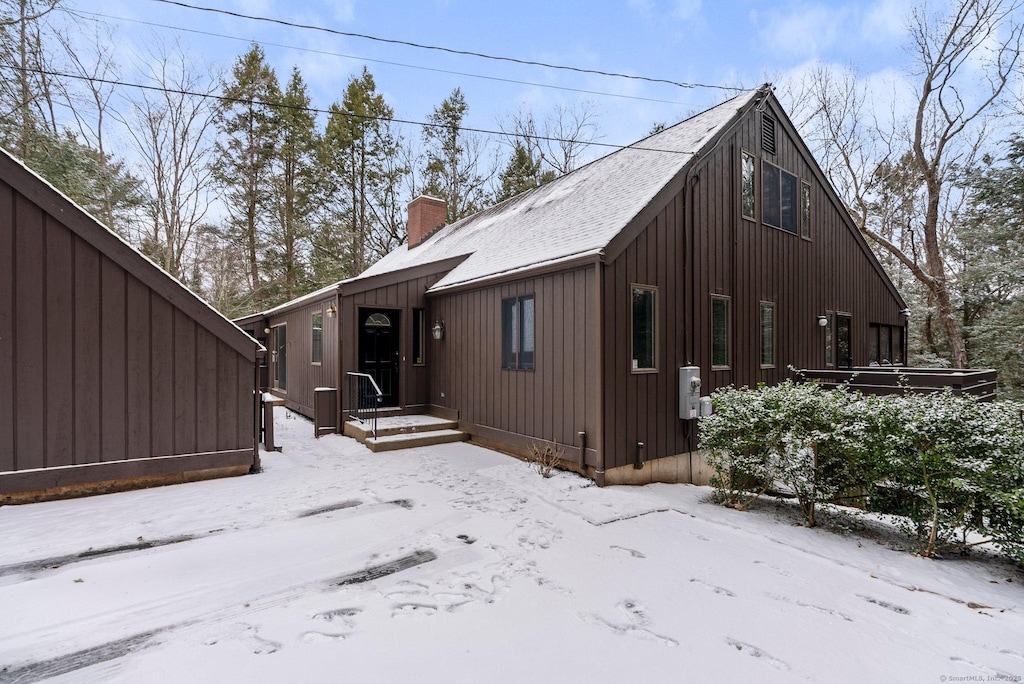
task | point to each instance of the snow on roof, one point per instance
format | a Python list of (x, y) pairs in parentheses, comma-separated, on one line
[(304, 299), (576, 214)]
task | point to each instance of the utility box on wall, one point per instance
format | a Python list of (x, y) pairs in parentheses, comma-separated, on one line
[(689, 392)]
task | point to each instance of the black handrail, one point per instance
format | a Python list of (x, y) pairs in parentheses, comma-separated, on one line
[(364, 399)]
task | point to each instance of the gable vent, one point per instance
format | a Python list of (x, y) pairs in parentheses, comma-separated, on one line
[(767, 133)]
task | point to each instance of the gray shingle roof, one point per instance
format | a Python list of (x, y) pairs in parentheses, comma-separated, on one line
[(575, 215)]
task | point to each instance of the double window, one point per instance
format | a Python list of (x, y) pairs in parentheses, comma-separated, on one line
[(779, 198), (644, 328), (517, 333), (885, 344)]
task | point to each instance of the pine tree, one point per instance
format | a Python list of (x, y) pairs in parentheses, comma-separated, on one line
[(522, 173), (453, 157), (294, 176), (250, 131), (361, 160), (990, 248)]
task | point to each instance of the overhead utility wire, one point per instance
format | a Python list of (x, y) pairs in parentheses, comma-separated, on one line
[(439, 48), (79, 13), (315, 110)]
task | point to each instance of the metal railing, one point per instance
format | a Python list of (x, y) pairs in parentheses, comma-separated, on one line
[(907, 380), (364, 399)]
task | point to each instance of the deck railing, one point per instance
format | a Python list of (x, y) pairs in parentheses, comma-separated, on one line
[(364, 399), (901, 380)]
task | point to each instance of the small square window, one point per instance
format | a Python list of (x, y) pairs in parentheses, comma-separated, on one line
[(645, 300), (720, 332)]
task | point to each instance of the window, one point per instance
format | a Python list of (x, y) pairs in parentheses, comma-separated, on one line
[(645, 301), (778, 198), (885, 344), (720, 332), (805, 211), (419, 330), (517, 332), (279, 356), (830, 320), (747, 185), (767, 334), (318, 337), (770, 194)]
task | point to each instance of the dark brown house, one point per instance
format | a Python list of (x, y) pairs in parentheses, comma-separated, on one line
[(114, 375), (582, 311)]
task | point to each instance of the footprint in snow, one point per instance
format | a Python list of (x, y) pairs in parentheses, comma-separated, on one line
[(755, 652), (632, 552), (711, 587), (322, 637), (406, 609), (885, 604), (636, 626)]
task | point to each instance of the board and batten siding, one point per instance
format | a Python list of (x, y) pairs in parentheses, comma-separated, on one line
[(104, 377), (554, 401), (302, 375), (698, 245)]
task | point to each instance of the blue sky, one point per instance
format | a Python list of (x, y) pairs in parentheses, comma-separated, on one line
[(738, 43)]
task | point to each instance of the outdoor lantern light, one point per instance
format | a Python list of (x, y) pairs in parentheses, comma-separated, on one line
[(438, 330), (332, 311), (822, 321), (905, 313), (266, 330)]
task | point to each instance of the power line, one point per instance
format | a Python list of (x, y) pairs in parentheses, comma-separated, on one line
[(438, 48), (77, 12), (316, 110)]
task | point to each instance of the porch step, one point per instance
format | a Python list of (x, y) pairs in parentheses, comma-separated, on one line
[(414, 439), (398, 425)]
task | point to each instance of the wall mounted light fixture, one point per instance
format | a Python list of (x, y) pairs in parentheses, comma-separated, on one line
[(438, 330), (332, 311), (822, 321)]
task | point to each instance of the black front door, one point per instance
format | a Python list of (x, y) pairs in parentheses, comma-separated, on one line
[(378, 350), (844, 351)]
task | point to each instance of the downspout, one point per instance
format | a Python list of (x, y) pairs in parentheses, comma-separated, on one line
[(599, 428), (256, 466)]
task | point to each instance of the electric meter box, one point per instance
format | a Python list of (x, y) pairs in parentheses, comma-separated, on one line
[(689, 392)]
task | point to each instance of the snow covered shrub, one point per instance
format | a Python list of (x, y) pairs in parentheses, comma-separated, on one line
[(935, 452), (805, 438), (1000, 514), (739, 443)]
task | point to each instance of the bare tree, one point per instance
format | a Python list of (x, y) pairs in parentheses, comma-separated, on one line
[(560, 140), (172, 130), (899, 175)]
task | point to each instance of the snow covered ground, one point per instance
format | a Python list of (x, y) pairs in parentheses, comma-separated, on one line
[(457, 564)]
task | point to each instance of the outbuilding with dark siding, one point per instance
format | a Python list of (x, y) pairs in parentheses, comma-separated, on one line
[(112, 374)]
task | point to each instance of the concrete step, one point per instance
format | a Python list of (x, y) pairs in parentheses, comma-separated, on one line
[(414, 439), (398, 425)]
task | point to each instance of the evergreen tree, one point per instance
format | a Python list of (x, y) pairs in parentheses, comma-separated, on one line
[(453, 157), (522, 173), (990, 247), (363, 170), (294, 174), (250, 131)]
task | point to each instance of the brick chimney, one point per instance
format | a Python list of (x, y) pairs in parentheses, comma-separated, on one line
[(426, 215)]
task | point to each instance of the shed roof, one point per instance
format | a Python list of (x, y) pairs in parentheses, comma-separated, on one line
[(83, 224), (573, 216)]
